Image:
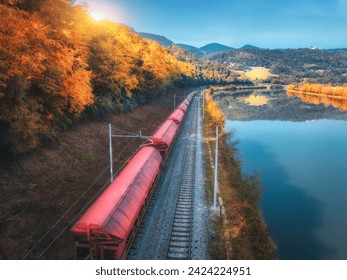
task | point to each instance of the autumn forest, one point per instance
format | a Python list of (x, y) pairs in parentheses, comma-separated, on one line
[(58, 65)]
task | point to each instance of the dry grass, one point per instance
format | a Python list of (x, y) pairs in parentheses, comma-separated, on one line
[(37, 189)]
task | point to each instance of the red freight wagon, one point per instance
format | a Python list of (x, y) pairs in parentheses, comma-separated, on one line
[(183, 106), (162, 139), (177, 116), (189, 98), (108, 227), (186, 101)]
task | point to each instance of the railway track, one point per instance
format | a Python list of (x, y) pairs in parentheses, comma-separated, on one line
[(180, 242), (181, 231), (168, 228), (125, 201)]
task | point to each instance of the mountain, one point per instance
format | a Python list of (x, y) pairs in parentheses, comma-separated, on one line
[(165, 42), (196, 52), (209, 49), (205, 50), (215, 48), (189, 48), (192, 50), (249, 47)]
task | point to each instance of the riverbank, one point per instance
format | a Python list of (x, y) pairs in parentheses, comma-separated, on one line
[(317, 94), (239, 230), (338, 92), (236, 87)]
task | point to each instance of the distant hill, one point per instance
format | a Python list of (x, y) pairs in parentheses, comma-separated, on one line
[(157, 38), (194, 51), (336, 50), (249, 47), (209, 49), (189, 48), (215, 48), (290, 65)]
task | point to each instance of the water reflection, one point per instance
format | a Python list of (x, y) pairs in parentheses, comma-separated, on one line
[(279, 106), (254, 100), (292, 215), (302, 165), (313, 98)]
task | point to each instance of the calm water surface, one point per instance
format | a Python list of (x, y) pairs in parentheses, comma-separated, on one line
[(304, 169)]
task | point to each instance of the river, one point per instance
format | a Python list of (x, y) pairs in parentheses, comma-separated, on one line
[(302, 165)]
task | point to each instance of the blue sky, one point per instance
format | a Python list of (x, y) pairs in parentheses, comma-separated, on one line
[(264, 23)]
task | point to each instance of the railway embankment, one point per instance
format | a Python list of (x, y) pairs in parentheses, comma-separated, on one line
[(176, 224), (37, 190), (239, 229)]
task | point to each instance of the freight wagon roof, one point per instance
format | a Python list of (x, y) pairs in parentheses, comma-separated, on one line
[(177, 116), (166, 132), (183, 106), (186, 101), (116, 210)]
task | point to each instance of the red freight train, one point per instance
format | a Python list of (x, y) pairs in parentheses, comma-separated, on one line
[(183, 106), (177, 116), (162, 139), (108, 227)]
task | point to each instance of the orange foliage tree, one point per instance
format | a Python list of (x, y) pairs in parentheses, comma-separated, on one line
[(42, 76), (56, 63), (213, 109)]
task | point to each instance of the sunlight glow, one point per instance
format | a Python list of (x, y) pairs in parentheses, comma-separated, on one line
[(97, 15)]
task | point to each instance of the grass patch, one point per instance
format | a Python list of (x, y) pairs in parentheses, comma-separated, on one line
[(87, 156)]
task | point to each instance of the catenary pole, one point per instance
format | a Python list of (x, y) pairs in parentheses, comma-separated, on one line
[(111, 153), (203, 104), (174, 101), (215, 173)]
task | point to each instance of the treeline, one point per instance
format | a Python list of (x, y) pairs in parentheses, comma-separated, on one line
[(327, 90), (57, 65), (206, 72)]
